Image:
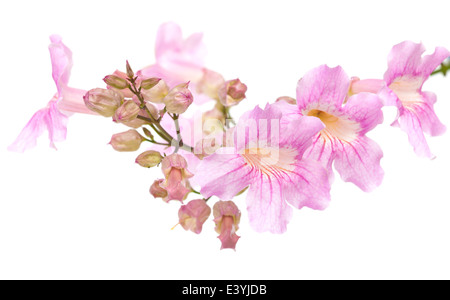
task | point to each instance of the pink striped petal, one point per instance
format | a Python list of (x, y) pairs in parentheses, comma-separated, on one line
[(50, 119), (365, 109), (267, 209), (358, 162), (308, 185), (322, 87), (223, 175)]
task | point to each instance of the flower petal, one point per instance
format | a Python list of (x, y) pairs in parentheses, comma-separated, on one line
[(406, 59), (364, 108), (308, 185), (61, 58), (223, 175), (49, 118), (358, 161), (267, 208), (322, 87), (419, 117)]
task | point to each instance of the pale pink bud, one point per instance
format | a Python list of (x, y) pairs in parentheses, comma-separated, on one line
[(126, 141), (210, 83), (125, 92), (227, 217), (213, 120), (178, 99), (157, 93), (149, 83), (193, 215), (116, 82), (232, 92), (287, 99), (177, 176), (102, 101), (128, 111), (149, 159), (156, 190)]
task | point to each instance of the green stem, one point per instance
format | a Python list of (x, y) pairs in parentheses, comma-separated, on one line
[(444, 67)]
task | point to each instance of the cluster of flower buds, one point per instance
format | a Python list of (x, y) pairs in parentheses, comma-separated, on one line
[(283, 166)]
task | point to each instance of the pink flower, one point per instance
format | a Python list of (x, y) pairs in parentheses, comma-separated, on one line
[(193, 215), (271, 165), (177, 176), (321, 94), (407, 71), (178, 60), (227, 217), (54, 116)]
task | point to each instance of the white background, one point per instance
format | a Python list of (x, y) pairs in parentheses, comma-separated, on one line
[(84, 211)]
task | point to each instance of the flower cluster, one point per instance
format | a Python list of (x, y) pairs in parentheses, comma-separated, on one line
[(282, 155)]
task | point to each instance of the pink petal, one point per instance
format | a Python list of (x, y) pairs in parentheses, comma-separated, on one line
[(267, 209), (258, 127), (308, 185), (222, 175), (299, 133), (364, 108), (406, 59), (61, 58), (49, 118), (419, 117), (322, 87), (321, 150), (359, 162)]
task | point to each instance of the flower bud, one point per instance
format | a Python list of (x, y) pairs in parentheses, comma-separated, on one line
[(227, 217), (147, 84), (210, 83), (116, 82), (128, 111), (193, 215), (102, 101), (149, 159), (157, 93), (130, 72), (178, 99), (126, 141), (287, 99), (127, 93), (156, 190), (206, 146), (175, 170), (232, 92)]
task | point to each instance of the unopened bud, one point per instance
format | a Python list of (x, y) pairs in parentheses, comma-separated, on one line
[(102, 101), (178, 99), (147, 133), (116, 82), (126, 141), (157, 93), (130, 72), (232, 92), (128, 111), (210, 83), (147, 84), (287, 99), (149, 159), (156, 190)]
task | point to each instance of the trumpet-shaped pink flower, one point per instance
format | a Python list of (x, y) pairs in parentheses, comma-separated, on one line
[(271, 165), (321, 94), (178, 60), (406, 74), (67, 100)]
